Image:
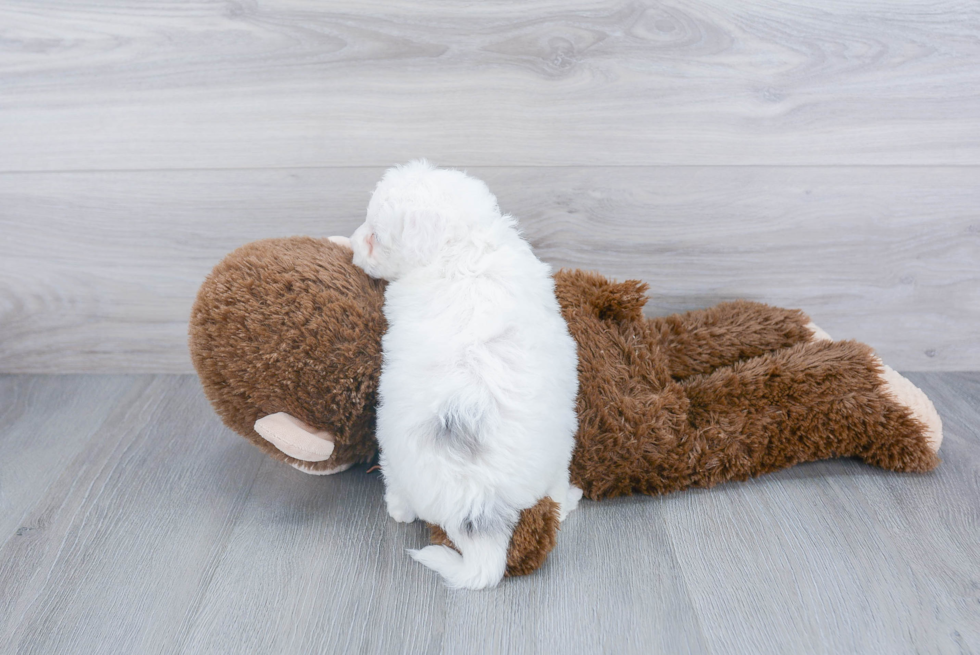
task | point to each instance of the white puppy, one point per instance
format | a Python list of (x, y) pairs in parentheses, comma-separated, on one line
[(476, 419)]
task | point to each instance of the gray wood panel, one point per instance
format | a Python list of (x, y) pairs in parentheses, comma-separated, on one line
[(37, 447), (114, 555), (285, 83), (153, 529), (98, 270)]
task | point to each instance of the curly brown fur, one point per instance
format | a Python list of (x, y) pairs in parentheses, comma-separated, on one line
[(291, 325), (641, 430), (809, 402), (812, 401), (534, 537), (706, 339)]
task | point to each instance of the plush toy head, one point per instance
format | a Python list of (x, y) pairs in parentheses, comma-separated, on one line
[(291, 325)]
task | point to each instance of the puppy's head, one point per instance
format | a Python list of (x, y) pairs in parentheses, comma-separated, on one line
[(418, 213)]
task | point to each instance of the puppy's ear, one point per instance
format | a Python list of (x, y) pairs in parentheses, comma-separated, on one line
[(423, 231)]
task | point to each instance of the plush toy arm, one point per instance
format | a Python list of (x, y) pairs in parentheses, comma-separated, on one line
[(701, 341), (341, 241)]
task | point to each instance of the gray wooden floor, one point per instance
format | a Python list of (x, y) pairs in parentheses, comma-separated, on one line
[(132, 521)]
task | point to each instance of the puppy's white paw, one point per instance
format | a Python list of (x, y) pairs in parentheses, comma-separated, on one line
[(571, 502), (455, 573), (402, 515), (398, 509)]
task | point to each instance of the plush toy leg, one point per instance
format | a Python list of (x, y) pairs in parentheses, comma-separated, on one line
[(907, 394), (299, 441), (813, 401), (701, 341)]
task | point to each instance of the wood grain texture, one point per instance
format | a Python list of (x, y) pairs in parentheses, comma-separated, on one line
[(128, 532), (98, 270), (157, 530), (285, 83), (38, 447)]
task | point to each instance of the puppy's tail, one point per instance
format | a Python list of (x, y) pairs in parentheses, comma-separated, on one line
[(479, 564)]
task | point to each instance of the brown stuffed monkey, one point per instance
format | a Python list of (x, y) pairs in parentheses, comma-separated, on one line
[(286, 338)]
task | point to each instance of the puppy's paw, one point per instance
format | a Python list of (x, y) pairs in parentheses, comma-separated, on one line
[(441, 559), (571, 502), (453, 569), (402, 515), (398, 509), (341, 241)]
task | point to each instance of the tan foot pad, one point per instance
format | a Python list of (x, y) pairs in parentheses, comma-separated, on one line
[(305, 468), (906, 393), (295, 438), (818, 334)]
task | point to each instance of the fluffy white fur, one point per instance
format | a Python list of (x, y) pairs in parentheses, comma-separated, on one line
[(477, 418)]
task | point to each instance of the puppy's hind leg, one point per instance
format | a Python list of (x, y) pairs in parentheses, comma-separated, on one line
[(481, 564), (567, 495), (398, 507)]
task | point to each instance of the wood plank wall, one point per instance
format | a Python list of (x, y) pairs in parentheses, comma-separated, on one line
[(824, 155)]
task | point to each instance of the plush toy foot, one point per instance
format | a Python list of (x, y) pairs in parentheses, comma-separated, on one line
[(818, 334), (907, 394), (295, 438), (308, 469)]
